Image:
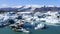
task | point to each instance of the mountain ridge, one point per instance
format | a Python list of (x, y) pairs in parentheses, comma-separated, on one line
[(33, 8)]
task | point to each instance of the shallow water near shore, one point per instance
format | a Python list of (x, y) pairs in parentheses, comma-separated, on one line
[(49, 30)]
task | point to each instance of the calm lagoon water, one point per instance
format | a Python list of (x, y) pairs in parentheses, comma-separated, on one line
[(49, 30)]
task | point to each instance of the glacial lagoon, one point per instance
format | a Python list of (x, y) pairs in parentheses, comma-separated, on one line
[(52, 28)]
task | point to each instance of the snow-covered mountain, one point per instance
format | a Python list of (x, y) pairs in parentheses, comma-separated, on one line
[(35, 8)]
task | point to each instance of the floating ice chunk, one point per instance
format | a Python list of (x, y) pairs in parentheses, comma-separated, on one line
[(5, 18), (42, 19), (32, 23), (37, 14), (28, 19), (51, 19), (25, 31), (37, 19), (39, 26)]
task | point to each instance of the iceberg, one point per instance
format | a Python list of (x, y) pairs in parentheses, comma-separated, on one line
[(39, 26)]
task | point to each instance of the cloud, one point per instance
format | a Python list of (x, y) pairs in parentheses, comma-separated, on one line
[(12, 6), (3, 5), (27, 6), (18, 6), (37, 6), (49, 5)]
